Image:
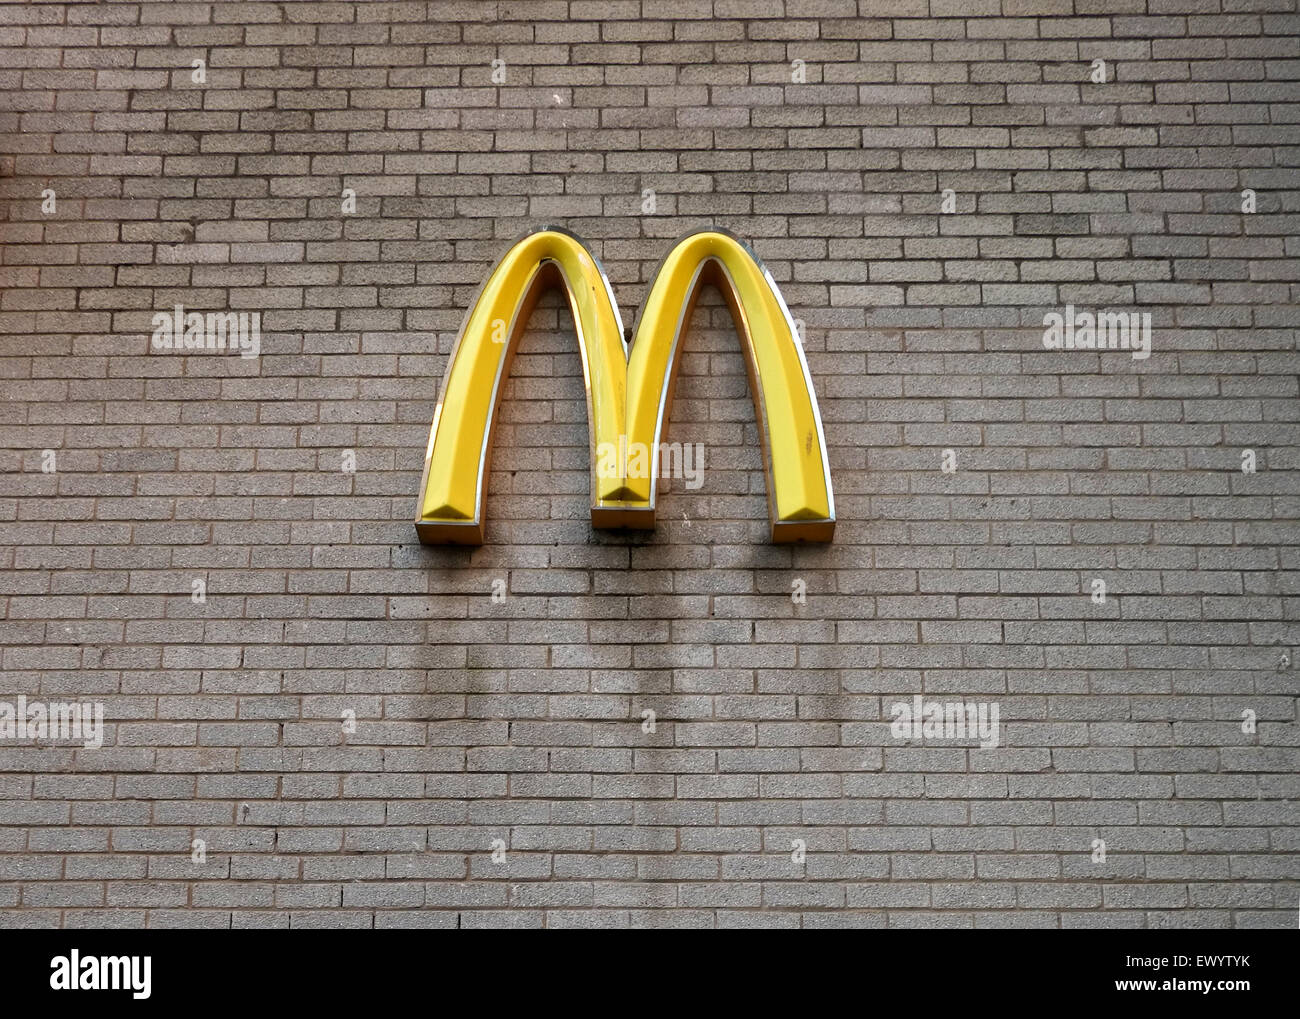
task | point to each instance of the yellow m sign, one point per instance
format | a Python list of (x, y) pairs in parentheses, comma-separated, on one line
[(629, 392)]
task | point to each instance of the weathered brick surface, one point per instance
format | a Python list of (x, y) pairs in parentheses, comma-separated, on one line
[(521, 721)]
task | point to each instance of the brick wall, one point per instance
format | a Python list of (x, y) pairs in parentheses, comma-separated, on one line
[(521, 720)]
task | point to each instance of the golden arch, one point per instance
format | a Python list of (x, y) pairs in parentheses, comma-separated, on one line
[(629, 394)]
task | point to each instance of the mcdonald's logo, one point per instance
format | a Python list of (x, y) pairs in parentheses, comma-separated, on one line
[(629, 390)]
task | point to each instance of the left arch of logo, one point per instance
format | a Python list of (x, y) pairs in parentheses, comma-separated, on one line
[(629, 392)]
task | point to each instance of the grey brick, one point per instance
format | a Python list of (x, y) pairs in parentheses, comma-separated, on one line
[(521, 720)]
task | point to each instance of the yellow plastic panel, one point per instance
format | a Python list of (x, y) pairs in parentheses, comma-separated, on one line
[(800, 500), (627, 402), (458, 456)]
